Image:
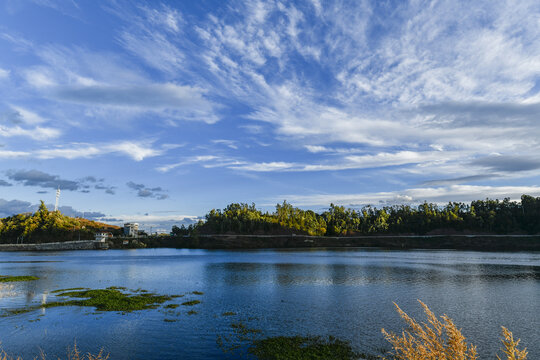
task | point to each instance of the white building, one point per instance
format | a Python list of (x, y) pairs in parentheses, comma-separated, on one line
[(131, 229), (103, 235)]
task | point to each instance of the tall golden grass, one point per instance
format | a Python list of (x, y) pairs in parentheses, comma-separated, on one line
[(72, 354), (441, 340)]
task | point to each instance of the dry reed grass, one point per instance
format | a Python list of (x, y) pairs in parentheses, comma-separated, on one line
[(441, 340), (510, 347), (72, 354)]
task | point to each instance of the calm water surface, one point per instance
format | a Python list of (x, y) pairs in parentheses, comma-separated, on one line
[(347, 293)]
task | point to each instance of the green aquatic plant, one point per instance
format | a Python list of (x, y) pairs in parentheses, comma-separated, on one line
[(243, 329), (6, 278), (109, 299), (197, 293), (228, 313), (171, 306), (191, 303), (303, 348), (192, 312)]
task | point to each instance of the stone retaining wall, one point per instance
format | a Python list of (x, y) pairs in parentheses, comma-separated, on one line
[(56, 246)]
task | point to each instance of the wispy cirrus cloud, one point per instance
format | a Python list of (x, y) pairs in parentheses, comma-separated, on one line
[(91, 79), (21, 122), (410, 89), (4, 74), (439, 194), (38, 133), (365, 161), (190, 160), (437, 93), (136, 150)]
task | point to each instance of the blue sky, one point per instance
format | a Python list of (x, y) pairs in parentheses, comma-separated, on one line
[(157, 111)]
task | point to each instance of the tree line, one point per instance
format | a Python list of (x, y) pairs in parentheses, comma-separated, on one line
[(480, 216), (47, 226)]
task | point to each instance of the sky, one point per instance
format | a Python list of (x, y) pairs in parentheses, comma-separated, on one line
[(157, 112)]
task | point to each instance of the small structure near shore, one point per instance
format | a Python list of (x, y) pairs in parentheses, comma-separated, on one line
[(131, 229), (103, 235)]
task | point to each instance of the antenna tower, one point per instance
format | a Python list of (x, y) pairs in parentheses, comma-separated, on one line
[(57, 198)]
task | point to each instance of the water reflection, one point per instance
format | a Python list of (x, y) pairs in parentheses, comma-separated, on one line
[(346, 292)]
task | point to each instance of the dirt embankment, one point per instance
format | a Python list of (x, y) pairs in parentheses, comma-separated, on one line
[(460, 242)]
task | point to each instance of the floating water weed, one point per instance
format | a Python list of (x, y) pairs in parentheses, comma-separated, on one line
[(109, 299), (303, 348), (5, 278), (191, 303)]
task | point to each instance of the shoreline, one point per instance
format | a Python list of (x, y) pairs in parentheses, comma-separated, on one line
[(405, 242), (239, 242), (56, 246)]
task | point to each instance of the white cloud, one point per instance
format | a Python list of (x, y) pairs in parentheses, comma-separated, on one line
[(28, 116), (439, 55), (8, 154), (444, 194), (186, 102), (4, 74), (187, 161), (138, 151), (169, 19), (229, 143), (429, 88), (101, 81), (352, 162), (39, 77), (154, 49), (38, 133)]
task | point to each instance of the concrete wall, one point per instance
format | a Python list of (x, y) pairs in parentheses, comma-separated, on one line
[(56, 246)]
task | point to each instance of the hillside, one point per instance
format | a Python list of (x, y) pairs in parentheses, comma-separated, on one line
[(48, 226)]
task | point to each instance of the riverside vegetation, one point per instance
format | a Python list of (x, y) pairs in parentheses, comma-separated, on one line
[(480, 216), (432, 340), (45, 226)]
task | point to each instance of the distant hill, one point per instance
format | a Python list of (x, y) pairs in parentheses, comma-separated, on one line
[(49, 226)]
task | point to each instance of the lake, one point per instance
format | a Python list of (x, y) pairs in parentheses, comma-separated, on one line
[(348, 293)]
